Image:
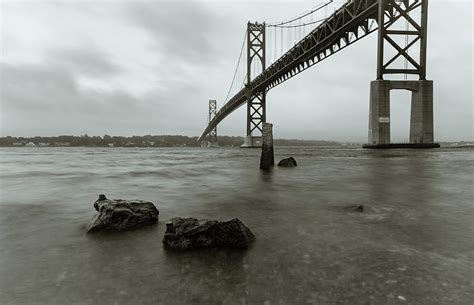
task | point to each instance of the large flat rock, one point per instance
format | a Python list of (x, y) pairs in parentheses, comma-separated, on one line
[(120, 215), (192, 233)]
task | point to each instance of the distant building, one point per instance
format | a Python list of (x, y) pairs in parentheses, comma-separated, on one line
[(111, 144), (18, 144), (62, 144), (30, 144), (43, 144)]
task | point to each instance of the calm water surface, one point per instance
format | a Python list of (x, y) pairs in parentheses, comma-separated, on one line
[(412, 245)]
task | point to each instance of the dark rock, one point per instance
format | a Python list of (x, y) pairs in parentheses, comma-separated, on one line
[(119, 215), (355, 208), (192, 233), (288, 162)]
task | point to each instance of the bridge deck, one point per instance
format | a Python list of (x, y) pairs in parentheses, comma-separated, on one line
[(351, 22)]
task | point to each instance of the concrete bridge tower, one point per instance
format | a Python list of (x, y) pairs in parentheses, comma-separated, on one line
[(391, 52)]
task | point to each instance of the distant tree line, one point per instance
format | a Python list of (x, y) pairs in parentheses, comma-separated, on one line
[(141, 141), (295, 142), (115, 141)]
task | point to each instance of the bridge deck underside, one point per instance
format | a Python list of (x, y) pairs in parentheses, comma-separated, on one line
[(351, 22)]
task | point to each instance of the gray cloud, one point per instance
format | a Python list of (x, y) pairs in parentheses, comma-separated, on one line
[(84, 60), (182, 30)]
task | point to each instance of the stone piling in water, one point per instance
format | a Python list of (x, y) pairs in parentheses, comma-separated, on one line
[(267, 159)]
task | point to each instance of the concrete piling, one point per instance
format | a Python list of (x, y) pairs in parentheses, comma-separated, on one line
[(421, 121), (267, 159)]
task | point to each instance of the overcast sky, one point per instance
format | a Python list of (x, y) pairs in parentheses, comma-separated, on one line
[(136, 68)]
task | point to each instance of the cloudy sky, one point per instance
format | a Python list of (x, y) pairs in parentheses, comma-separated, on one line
[(150, 67)]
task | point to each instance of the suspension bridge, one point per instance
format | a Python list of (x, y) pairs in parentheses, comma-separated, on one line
[(301, 42)]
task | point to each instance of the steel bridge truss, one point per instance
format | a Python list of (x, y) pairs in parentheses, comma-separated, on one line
[(351, 22), (212, 135), (256, 104), (414, 13)]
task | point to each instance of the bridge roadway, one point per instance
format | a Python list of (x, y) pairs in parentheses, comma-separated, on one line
[(351, 22)]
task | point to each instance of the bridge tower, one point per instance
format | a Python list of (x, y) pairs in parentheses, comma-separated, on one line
[(212, 135), (256, 101), (392, 50)]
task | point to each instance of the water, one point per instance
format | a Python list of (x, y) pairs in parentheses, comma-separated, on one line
[(412, 245)]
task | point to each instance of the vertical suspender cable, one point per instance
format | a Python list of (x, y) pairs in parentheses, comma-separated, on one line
[(294, 40), (281, 41), (407, 27), (275, 44), (269, 38)]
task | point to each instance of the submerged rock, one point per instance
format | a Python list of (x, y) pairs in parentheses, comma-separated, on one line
[(355, 208), (119, 214), (192, 233), (288, 162)]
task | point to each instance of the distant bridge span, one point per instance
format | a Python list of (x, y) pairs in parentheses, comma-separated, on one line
[(354, 20)]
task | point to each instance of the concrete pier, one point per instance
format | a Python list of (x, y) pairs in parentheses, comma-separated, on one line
[(209, 144), (421, 121), (379, 113), (252, 142), (267, 159)]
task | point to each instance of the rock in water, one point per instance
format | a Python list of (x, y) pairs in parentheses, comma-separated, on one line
[(101, 197), (355, 208), (119, 215), (288, 162), (192, 233)]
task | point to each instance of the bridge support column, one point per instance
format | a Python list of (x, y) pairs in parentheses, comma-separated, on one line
[(379, 113), (252, 142), (414, 13), (256, 101), (421, 119), (267, 158), (212, 136), (256, 117)]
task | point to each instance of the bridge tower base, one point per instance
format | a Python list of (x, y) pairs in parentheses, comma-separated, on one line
[(421, 120), (252, 142)]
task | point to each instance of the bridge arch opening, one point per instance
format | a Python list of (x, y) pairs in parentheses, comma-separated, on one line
[(400, 112)]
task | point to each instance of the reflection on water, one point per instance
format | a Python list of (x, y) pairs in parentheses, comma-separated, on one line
[(413, 240)]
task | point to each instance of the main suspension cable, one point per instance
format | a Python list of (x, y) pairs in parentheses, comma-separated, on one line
[(302, 16), (236, 68), (297, 25), (282, 25)]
